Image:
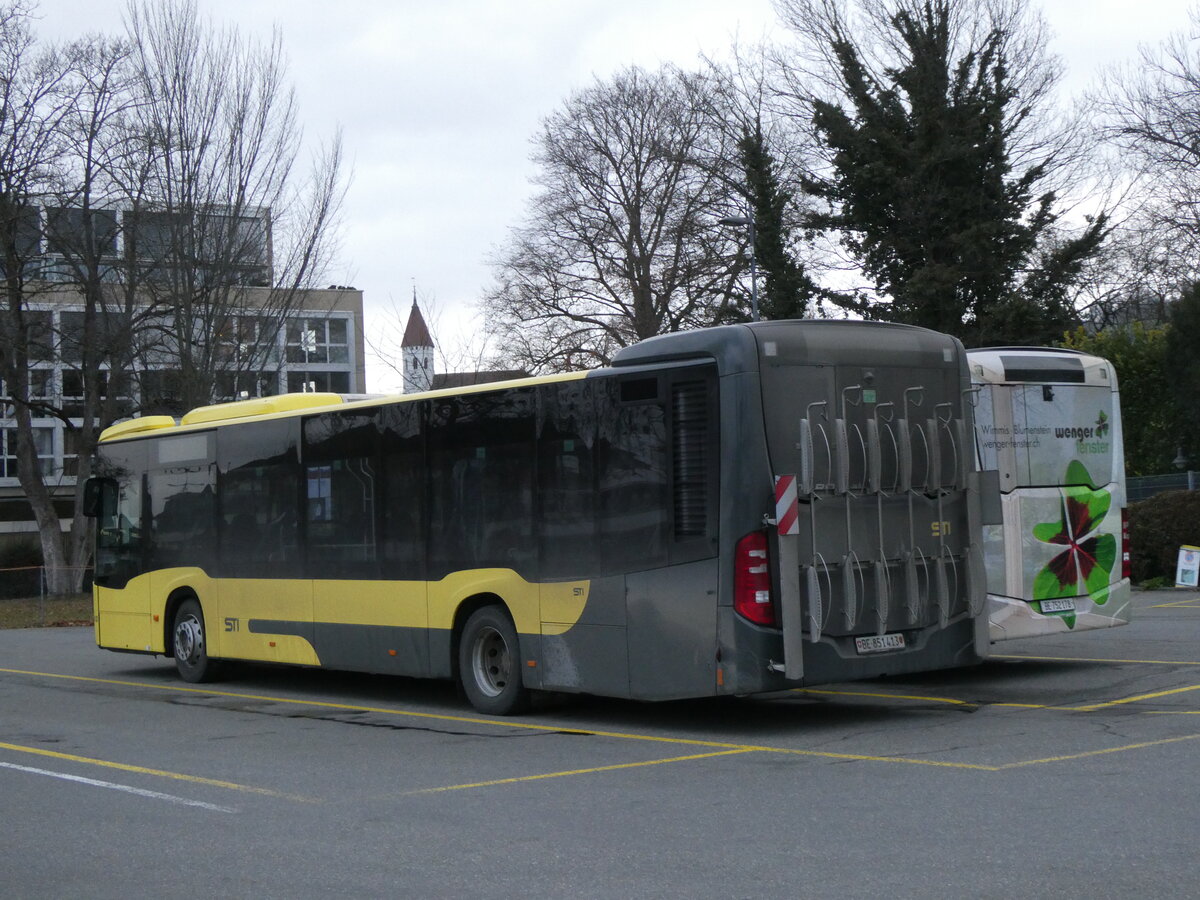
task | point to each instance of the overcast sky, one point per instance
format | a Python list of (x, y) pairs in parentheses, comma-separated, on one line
[(438, 100)]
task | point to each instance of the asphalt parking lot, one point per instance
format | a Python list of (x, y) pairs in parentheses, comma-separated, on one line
[(1064, 766)]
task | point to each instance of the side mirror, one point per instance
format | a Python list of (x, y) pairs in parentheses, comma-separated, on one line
[(93, 495)]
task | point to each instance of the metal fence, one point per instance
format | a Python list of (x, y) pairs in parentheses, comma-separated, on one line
[(25, 602), (29, 582), (1145, 486)]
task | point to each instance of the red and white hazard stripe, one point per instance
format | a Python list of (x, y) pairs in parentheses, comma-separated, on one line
[(787, 509)]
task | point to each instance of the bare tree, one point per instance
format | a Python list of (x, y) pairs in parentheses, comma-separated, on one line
[(225, 229), (151, 208), (1153, 112), (620, 243), (773, 157), (35, 103)]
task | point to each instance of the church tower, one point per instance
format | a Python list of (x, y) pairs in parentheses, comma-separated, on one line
[(416, 351)]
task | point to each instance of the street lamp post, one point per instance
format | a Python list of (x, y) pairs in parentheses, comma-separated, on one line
[(748, 222)]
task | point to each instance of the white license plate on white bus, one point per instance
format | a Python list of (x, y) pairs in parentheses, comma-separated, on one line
[(879, 643), (1049, 606)]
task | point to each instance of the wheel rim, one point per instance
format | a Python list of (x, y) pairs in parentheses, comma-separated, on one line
[(189, 638), (491, 662)]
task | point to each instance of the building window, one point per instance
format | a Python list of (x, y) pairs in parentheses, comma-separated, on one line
[(334, 382), (318, 341), (109, 330), (161, 390), (66, 235), (74, 398), (153, 235), (23, 229), (41, 390), (38, 325), (232, 385), (43, 442)]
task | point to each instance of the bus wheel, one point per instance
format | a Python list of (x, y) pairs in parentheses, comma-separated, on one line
[(191, 650), (489, 663)]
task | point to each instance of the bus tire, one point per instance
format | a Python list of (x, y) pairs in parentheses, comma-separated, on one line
[(190, 645), (489, 663)]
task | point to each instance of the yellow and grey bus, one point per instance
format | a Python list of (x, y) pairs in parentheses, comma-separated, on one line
[(735, 510), (1048, 421)]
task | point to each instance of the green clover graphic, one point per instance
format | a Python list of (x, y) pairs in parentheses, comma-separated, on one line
[(1086, 562)]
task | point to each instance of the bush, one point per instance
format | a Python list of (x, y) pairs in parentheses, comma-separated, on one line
[(1158, 527)]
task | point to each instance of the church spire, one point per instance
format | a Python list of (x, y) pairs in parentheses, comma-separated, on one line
[(416, 351), (416, 334)]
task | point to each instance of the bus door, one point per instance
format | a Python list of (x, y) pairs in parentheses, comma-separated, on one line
[(265, 605), (123, 603)]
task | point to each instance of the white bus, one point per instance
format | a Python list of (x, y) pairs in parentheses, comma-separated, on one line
[(1050, 421)]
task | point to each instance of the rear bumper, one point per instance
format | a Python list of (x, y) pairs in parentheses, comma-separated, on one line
[(1010, 618)]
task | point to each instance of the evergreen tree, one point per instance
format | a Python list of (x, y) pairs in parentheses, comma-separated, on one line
[(924, 188), (786, 288), (1152, 419), (1184, 380)]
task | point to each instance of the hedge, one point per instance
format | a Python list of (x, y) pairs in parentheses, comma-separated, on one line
[(1158, 526)]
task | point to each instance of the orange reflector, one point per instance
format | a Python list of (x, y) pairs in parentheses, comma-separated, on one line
[(156, 617), (391, 653), (720, 677), (532, 663), (271, 643)]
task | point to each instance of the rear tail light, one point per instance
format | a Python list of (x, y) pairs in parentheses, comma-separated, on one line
[(1126, 561), (752, 580)]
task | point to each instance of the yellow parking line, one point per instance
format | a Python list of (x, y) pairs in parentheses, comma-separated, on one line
[(1087, 753), (1194, 603), (591, 771), (506, 723), (1146, 662), (725, 747), (383, 710), (157, 773), (905, 760), (1136, 699)]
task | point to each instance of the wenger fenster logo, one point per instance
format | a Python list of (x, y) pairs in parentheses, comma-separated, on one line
[(1088, 438)]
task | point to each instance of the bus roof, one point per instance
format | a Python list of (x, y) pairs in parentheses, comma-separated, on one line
[(1039, 365), (286, 405), (737, 348)]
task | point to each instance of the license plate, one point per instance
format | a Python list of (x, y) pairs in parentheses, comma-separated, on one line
[(1050, 606), (879, 643)]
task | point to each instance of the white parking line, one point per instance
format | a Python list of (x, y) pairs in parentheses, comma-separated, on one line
[(128, 789)]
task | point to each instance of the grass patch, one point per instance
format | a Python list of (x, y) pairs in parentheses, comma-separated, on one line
[(34, 612)]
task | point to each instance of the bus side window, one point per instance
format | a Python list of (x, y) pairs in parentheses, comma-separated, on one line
[(481, 482), (341, 486), (633, 476), (181, 507), (567, 480), (259, 490), (403, 504)]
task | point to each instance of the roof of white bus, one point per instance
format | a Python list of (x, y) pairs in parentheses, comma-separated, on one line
[(995, 365)]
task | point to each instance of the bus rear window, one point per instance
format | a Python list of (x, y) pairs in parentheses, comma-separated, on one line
[(1033, 433)]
